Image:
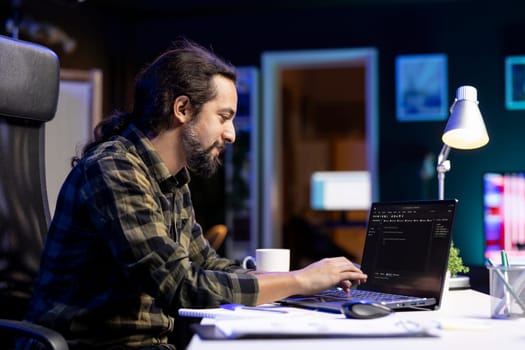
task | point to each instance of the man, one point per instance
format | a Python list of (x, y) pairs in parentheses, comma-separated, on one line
[(124, 252)]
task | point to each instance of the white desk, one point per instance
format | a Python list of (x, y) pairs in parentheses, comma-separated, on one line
[(465, 316)]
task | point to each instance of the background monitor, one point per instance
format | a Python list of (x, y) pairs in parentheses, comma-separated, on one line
[(504, 215), (340, 190)]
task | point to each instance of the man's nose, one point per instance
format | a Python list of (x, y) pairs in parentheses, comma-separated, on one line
[(229, 133)]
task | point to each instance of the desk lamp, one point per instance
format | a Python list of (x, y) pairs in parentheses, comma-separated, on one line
[(465, 130)]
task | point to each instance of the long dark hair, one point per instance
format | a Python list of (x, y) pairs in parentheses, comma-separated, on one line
[(186, 69)]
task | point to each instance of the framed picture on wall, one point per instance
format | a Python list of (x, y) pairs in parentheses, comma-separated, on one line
[(421, 87), (515, 82)]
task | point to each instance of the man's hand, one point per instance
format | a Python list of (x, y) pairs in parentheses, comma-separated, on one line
[(328, 273), (316, 277)]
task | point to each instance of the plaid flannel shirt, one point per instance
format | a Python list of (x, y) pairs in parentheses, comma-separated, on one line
[(124, 251)]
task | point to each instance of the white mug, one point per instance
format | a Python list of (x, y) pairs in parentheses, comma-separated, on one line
[(269, 260)]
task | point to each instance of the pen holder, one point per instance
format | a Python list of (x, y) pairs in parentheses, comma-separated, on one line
[(507, 291)]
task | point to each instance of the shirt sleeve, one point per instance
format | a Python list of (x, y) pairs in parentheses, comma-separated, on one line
[(128, 206)]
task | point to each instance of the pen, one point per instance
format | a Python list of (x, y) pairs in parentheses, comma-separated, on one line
[(505, 263), (507, 285), (504, 258)]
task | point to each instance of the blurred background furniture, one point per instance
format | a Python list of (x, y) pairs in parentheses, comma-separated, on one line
[(29, 85), (216, 235)]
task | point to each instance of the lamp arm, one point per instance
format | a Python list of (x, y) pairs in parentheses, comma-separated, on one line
[(443, 165)]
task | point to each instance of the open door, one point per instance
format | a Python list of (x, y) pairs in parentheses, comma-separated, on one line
[(341, 85)]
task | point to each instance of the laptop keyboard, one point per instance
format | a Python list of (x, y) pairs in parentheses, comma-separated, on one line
[(340, 295)]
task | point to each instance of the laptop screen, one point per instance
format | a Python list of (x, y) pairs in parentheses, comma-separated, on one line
[(407, 245)]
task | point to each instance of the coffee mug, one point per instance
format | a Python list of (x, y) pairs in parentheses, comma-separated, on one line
[(269, 260)]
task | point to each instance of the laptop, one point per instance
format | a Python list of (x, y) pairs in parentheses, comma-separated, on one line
[(405, 257)]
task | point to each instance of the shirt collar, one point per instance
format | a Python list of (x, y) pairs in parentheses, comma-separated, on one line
[(151, 158)]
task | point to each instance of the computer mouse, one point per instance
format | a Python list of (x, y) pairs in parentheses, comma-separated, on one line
[(364, 309)]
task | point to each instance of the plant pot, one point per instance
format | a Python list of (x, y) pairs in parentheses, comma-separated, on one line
[(459, 282)]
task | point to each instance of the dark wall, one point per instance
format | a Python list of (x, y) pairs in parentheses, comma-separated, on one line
[(475, 35)]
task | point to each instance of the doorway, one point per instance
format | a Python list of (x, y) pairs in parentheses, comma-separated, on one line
[(307, 125)]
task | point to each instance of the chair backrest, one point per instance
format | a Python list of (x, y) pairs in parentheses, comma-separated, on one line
[(29, 84)]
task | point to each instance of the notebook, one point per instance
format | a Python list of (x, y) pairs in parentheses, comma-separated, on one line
[(405, 257)]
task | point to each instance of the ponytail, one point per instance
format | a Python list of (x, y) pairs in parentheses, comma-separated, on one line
[(105, 129)]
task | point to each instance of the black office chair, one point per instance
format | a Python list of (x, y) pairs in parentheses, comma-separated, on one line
[(29, 83)]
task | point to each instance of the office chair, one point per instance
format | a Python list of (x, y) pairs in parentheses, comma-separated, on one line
[(29, 83)]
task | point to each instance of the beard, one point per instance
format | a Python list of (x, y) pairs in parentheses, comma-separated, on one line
[(200, 160)]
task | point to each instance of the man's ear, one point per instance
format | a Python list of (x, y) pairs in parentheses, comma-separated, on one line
[(181, 109)]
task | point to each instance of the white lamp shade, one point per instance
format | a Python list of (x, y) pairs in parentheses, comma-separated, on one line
[(465, 127)]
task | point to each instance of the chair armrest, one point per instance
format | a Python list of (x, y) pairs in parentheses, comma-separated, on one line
[(48, 337)]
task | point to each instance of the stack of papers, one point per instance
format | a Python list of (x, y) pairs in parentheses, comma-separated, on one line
[(313, 326), (243, 324)]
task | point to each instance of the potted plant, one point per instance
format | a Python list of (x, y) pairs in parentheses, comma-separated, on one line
[(455, 263), (455, 268)]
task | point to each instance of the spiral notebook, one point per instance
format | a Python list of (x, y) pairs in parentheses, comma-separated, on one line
[(234, 311), (405, 257)]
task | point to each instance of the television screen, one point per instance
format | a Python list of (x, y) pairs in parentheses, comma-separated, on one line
[(504, 215)]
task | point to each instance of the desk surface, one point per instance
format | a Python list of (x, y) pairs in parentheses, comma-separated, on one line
[(465, 316)]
